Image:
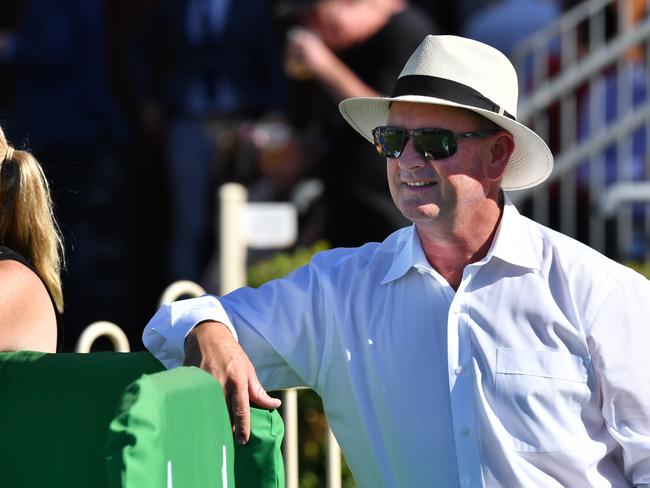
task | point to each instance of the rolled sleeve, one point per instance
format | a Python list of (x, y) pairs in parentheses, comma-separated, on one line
[(164, 335), (281, 326)]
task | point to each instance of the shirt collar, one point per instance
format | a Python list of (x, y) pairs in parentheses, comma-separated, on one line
[(512, 243), (408, 254)]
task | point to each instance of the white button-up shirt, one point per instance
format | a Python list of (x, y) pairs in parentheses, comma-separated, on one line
[(535, 372)]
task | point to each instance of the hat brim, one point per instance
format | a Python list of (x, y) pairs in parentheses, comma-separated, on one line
[(530, 163)]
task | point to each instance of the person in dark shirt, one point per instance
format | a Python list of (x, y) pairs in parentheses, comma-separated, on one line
[(353, 49)]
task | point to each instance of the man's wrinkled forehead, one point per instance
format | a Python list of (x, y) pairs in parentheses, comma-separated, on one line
[(427, 110)]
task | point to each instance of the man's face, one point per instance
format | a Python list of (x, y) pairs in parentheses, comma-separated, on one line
[(439, 192)]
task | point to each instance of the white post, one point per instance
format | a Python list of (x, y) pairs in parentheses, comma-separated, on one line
[(102, 328), (290, 447), (178, 289), (232, 269), (333, 461)]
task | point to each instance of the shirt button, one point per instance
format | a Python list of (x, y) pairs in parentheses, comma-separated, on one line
[(465, 432), (455, 309), (459, 370), (422, 271)]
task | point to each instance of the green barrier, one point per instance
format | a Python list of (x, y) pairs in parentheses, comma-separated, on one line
[(56, 409), (172, 428), (259, 463)]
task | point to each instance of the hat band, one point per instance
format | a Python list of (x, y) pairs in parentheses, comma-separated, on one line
[(432, 86)]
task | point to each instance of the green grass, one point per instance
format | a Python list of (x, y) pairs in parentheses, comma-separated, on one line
[(640, 267)]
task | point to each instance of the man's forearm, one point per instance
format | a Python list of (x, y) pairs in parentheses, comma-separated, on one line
[(342, 82)]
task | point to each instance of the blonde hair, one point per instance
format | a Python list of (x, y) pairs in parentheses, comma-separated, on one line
[(27, 223)]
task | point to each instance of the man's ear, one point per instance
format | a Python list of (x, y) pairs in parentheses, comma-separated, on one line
[(502, 148)]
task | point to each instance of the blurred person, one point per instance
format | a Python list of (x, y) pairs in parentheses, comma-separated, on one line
[(475, 347), (503, 24), (447, 15), (333, 26), (31, 256), (286, 160), (64, 112), (124, 19), (351, 48), (208, 66)]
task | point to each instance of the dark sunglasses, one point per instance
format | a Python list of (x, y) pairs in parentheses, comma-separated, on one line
[(431, 143)]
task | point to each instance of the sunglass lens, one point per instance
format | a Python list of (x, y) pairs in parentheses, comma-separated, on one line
[(389, 142), (438, 144)]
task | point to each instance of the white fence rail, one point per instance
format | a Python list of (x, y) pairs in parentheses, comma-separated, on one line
[(585, 89), (102, 328)]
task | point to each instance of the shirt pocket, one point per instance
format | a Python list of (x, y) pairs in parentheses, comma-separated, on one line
[(539, 398)]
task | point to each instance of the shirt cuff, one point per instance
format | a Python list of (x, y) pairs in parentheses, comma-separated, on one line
[(164, 336)]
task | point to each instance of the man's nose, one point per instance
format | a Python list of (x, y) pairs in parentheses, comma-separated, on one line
[(411, 158)]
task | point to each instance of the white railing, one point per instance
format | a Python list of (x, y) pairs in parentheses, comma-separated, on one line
[(179, 289), (102, 328), (105, 328), (584, 88)]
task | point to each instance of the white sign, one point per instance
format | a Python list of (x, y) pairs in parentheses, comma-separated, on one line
[(270, 225)]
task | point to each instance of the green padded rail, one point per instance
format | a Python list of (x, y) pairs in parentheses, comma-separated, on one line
[(172, 429), (260, 463), (55, 412)]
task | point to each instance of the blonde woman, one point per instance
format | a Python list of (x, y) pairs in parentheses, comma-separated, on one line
[(31, 256)]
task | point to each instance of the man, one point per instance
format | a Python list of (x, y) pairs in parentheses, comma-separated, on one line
[(475, 348)]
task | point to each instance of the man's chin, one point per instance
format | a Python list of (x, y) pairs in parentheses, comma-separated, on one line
[(422, 213)]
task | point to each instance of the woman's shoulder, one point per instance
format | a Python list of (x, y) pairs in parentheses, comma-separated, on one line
[(27, 317)]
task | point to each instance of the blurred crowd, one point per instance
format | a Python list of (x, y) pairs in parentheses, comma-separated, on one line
[(140, 110)]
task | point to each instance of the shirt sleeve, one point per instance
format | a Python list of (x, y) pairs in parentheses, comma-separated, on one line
[(281, 326), (164, 335), (620, 347)]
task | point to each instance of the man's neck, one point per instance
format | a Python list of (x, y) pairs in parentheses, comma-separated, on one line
[(450, 250)]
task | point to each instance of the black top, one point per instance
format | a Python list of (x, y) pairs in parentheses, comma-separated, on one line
[(361, 208), (7, 254)]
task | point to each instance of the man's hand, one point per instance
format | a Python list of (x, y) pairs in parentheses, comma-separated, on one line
[(307, 50), (212, 347)]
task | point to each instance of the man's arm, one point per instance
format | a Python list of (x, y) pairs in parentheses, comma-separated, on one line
[(282, 327), (313, 54), (198, 332), (212, 347)]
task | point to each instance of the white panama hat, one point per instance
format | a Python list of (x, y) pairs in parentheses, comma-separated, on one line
[(459, 72)]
